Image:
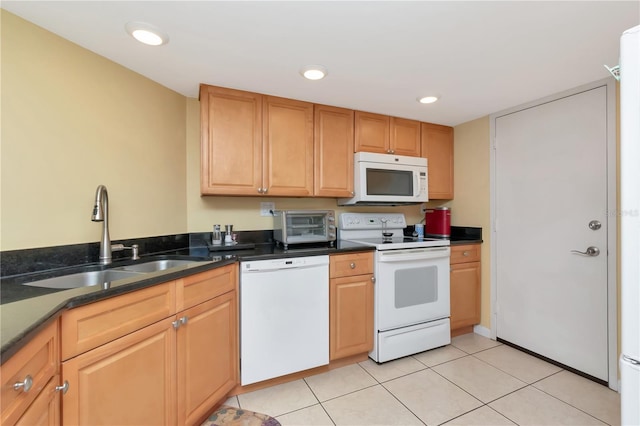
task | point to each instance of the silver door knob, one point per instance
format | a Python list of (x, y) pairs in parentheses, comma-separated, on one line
[(594, 225), (591, 251), (64, 388)]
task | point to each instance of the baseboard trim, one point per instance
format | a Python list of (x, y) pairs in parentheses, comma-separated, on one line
[(483, 331)]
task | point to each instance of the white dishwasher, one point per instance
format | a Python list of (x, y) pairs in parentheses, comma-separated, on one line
[(284, 316)]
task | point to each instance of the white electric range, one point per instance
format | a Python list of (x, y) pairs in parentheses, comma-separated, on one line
[(411, 308)]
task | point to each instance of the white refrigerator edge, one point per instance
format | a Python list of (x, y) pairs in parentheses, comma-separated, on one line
[(630, 224)]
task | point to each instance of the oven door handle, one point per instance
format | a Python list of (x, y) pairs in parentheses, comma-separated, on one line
[(414, 254)]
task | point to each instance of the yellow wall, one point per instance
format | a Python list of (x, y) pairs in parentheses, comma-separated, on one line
[(72, 120), (471, 204)]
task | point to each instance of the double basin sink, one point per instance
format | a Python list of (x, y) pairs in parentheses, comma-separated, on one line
[(104, 277)]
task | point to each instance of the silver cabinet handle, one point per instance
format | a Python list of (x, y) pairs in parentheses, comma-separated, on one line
[(465, 253), (24, 385), (64, 388), (373, 280), (594, 225), (264, 190), (353, 265), (184, 320), (176, 324), (591, 251), (259, 190)]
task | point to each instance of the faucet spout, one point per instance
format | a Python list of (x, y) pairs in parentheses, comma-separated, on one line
[(101, 214)]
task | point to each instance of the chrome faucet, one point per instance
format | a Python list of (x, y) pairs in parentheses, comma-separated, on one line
[(101, 214)]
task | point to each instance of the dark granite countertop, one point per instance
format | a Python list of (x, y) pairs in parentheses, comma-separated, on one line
[(24, 310)]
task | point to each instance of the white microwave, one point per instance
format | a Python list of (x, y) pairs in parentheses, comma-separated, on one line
[(387, 179)]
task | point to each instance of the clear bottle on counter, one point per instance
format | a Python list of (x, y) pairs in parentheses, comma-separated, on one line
[(216, 238)]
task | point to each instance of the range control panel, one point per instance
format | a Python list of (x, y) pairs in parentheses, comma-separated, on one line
[(354, 221)]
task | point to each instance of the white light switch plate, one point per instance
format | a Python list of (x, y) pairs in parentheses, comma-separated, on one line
[(266, 208)]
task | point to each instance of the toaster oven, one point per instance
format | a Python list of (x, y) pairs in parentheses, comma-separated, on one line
[(304, 226)]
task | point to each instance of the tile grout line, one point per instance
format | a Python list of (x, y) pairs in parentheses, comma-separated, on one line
[(381, 384), (568, 403), (304, 379)]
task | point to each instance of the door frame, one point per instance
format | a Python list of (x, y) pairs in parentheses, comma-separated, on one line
[(612, 217)]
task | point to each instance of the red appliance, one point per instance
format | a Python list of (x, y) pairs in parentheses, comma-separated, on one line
[(438, 222)]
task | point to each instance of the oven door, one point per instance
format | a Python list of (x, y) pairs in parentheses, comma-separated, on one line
[(412, 286)]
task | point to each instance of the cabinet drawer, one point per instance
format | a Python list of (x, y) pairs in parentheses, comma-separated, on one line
[(465, 253), (90, 326), (40, 360), (195, 289), (346, 265), (45, 410)]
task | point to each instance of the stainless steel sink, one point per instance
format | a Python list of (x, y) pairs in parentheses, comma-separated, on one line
[(84, 279), (156, 265)]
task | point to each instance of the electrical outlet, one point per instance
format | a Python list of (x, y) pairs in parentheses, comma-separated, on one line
[(267, 208), (423, 208)]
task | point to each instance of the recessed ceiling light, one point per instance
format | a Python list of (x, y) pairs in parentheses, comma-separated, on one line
[(314, 72), (147, 33), (428, 99)]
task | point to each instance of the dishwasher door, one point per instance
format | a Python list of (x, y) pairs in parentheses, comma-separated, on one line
[(284, 316)]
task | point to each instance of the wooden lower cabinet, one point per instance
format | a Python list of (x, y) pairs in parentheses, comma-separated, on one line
[(207, 357), (172, 371), (350, 304), (29, 376), (465, 282), (129, 381), (45, 409), (351, 316)]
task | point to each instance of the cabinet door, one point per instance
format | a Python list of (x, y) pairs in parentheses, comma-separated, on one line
[(437, 148), (405, 137), (40, 360), (333, 151), (350, 316), (465, 294), (45, 410), (129, 381), (207, 357), (371, 132), (231, 144), (288, 147)]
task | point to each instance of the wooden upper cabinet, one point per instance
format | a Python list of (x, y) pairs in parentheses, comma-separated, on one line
[(333, 151), (386, 135), (371, 132), (288, 147), (231, 145), (437, 147), (405, 137)]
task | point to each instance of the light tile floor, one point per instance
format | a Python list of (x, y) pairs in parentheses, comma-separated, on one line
[(473, 381)]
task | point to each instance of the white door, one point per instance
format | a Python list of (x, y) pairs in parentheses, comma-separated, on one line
[(550, 184)]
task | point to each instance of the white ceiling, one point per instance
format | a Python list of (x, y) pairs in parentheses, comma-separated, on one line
[(479, 57)]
